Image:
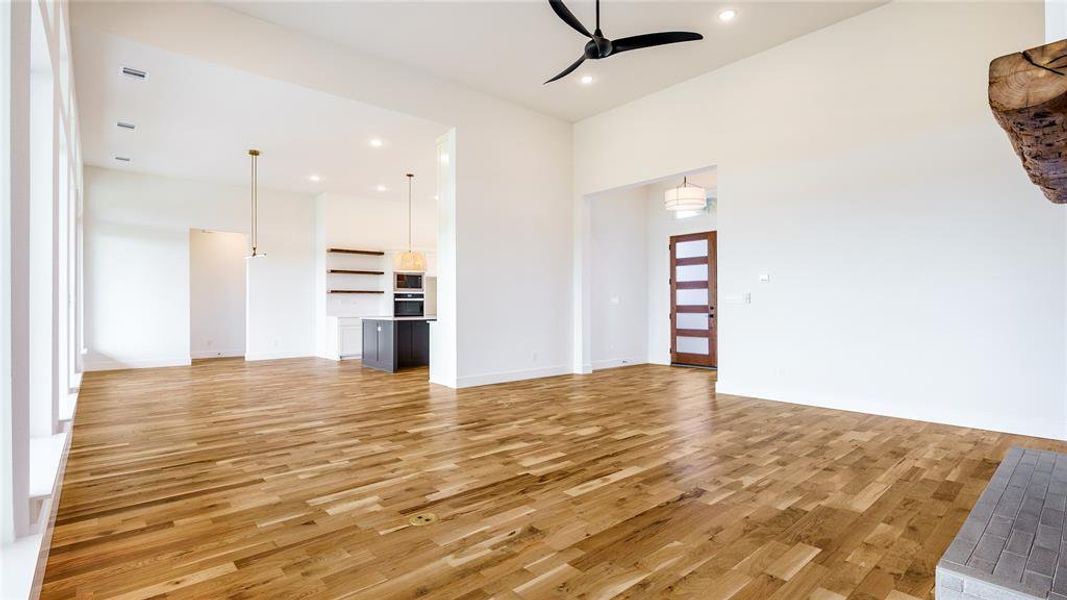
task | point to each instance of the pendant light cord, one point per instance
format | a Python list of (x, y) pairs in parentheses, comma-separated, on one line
[(410, 177), (255, 200)]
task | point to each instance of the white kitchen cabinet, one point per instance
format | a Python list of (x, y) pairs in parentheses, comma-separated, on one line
[(344, 337), (350, 337)]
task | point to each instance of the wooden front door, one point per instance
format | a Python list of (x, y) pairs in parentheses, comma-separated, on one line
[(693, 300)]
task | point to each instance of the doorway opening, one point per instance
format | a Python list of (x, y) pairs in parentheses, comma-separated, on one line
[(651, 275), (694, 296), (217, 294)]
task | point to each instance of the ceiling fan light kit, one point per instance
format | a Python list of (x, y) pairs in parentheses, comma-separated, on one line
[(599, 47), (685, 197)]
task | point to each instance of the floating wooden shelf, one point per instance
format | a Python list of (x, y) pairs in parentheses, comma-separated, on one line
[(353, 251), (356, 292), (356, 272)]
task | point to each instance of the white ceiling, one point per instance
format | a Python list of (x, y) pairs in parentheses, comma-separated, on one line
[(508, 48), (197, 120)]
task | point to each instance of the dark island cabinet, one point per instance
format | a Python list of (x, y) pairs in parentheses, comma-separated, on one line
[(391, 345)]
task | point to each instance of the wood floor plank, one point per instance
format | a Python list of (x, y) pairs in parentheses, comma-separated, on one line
[(298, 479)]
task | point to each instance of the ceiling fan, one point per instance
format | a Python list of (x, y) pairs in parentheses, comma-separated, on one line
[(599, 46)]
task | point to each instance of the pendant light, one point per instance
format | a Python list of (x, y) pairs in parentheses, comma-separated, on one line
[(254, 155), (410, 261), (685, 197)]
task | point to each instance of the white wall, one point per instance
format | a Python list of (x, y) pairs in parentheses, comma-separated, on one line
[(137, 267), (619, 294), (217, 284), (513, 179), (914, 269), (1055, 20), (7, 415), (43, 196)]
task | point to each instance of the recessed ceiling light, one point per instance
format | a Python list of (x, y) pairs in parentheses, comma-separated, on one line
[(125, 125), (435, 197), (135, 73), (377, 142), (444, 159), (314, 178), (587, 79), (727, 14), (122, 158), (381, 188)]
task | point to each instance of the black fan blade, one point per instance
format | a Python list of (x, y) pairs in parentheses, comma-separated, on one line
[(568, 70), (568, 17), (652, 39)]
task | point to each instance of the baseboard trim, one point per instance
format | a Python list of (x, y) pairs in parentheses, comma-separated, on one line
[(116, 365), (507, 376), (278, 356), (217, 353), (613, 363), (1038, 430)]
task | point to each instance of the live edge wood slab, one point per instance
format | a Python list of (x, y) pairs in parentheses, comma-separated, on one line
[(1028, 95)]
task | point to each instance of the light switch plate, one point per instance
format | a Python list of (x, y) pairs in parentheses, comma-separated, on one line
[(764, 277)]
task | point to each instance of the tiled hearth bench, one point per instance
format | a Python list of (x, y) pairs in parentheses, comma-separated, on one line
[(1013, 545)]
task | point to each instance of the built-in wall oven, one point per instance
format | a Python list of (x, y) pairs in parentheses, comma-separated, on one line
[(409, 304), (407, 282)]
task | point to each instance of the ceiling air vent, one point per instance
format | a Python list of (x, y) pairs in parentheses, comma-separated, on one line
[(125, 125), (135, 73), (123, 158)]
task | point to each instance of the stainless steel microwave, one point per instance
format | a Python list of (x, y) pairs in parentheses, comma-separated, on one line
[(407, 282)]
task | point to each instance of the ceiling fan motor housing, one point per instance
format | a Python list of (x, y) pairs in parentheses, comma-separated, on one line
[(598, 47)]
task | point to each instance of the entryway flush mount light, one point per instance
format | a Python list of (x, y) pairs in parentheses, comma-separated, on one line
[(685, 197), (410, 261), (254, 155), (376, 142)]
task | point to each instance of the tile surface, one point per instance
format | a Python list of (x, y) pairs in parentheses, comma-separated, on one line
[(1012, 545)]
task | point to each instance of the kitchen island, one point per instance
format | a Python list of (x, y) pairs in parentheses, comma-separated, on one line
[(394, 343)]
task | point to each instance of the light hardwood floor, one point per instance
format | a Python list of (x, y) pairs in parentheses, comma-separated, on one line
[(297, 479)]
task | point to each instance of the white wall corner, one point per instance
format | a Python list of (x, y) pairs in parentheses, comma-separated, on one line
[(1055, 20)]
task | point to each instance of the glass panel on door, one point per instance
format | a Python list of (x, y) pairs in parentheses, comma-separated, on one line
[(691, 297), (691, 321), (691, 249), (691, 272), (691, 345)]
